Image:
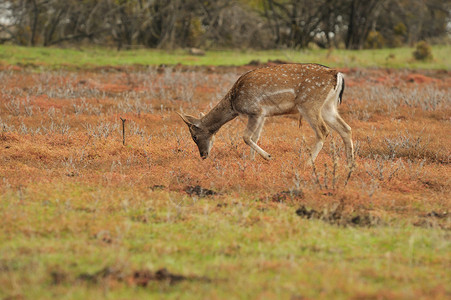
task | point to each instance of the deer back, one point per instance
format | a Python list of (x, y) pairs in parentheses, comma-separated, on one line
[(282, 89)]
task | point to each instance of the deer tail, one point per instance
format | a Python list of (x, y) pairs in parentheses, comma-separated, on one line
[(340, 86)]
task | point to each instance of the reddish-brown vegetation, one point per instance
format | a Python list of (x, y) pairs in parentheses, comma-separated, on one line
[(61, 126)]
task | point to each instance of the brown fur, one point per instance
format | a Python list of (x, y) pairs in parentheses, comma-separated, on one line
[(310, 89)]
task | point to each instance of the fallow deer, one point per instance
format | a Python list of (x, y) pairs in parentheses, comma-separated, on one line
[(312, 90)]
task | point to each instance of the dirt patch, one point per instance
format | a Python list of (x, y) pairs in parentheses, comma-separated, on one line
[(144, 277), (254, 63), (270, 62), (419, 78), (157, 187), (8, 137), (58, 277), (439, 215), (14, 297), (107, 273), (434, 219), (285, 196), (104, 236), (199, 191), (434, 185), (141, 277), (338, 215)]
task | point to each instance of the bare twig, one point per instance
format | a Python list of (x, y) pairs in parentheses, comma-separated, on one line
[(315, 174), (334, 171), (123, 130), (351, 170)]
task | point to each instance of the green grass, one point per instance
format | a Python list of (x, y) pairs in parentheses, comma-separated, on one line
[(93, 57), (246, 252)]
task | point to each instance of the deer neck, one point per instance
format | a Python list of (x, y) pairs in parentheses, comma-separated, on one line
[(218, 116)]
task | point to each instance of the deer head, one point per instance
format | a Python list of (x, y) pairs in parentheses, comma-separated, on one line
[(200, 134)]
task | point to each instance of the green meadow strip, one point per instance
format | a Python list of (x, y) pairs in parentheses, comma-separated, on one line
[(99, 57)]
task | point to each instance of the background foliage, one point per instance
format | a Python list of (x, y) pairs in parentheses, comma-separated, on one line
[(258, 24)]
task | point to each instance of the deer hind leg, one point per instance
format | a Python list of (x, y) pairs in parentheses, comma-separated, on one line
[(319, 127), (333, 119), (256, 136), (252, 134)]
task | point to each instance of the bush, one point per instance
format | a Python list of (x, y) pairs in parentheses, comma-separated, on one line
[(375, 40), (423, 51), (400, 29)]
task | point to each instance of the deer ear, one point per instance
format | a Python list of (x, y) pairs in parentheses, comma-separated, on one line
[(190, 121)]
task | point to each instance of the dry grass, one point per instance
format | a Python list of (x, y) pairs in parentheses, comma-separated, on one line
[(68, 125), (62, 155)]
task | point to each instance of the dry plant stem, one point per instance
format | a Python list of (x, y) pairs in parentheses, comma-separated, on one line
[(315, 173), (325, 176), (351, 170), (334, 171), (123, 130)]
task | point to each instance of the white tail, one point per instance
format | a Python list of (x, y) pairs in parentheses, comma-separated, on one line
[(310, 89)]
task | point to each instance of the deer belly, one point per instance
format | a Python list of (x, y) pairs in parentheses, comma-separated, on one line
[(267, 103), (278, 104)]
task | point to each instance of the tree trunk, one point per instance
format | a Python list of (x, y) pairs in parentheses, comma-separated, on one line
[(35, 22), (362, 14)]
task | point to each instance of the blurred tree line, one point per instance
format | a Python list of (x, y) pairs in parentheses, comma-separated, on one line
[(258, 24)]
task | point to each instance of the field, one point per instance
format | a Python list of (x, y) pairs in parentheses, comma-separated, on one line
[(85, 214), (83, 58)]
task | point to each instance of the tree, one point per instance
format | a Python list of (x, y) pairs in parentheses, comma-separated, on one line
[(223, 23), (362, 16)]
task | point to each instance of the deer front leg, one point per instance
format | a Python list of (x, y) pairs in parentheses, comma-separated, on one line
[(253, 130)]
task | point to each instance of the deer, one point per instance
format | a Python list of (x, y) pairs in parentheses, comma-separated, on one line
[(312, 90)]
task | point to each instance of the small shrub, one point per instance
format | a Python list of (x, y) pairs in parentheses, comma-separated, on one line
[(375, 40), (400, 29), (423, 51)]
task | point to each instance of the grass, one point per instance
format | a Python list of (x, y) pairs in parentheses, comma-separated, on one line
[(84, 217), (94, 57), (246, 252)]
